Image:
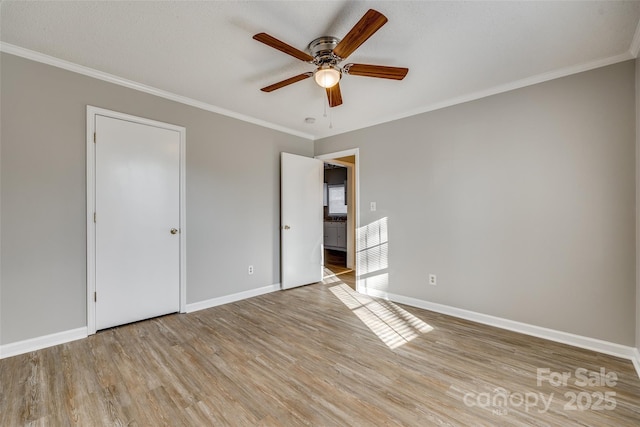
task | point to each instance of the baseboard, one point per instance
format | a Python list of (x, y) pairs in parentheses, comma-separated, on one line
[(38, 343), (636, 360), (231, 298), (594, 344), (33, 344)]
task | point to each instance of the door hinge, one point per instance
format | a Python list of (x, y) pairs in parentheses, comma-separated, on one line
[(94, 217), (95, 297), (94, 137)]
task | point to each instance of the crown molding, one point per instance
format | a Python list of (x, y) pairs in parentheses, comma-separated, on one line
[(90, 72), (518, 84)]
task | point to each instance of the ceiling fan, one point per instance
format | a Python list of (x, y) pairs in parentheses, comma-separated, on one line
[(327, 52)]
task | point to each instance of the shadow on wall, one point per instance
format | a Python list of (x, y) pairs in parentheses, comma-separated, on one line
[(372, 243)]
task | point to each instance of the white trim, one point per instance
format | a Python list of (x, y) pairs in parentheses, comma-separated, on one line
[(518, 84), (636, 360), (213, 302), (588, 343), (540, 78), (92, 112), (183, 220), (91, 240), (635, 43), (80, 69), (38, 343), (338, 154)]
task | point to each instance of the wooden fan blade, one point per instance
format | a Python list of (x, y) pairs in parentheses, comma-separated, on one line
[(286, 82), (395, 73), (366, 26), (334, 95), (282, 47)]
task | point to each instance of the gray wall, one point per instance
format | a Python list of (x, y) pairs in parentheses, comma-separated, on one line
[(638, 204), (232, 195), (522, 204)]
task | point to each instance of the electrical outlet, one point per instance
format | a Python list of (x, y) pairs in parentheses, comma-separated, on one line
[(432, 280), (250, 269), (373, 206)]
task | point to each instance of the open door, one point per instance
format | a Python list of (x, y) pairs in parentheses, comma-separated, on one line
[(301, 231)]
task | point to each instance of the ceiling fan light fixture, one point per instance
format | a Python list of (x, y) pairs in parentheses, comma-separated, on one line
[(327, 76)]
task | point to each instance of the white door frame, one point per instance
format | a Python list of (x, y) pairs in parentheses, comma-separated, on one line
[(92, 112), (330, 158)]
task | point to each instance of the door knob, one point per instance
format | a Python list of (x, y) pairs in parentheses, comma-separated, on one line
[(174, 231), (286, 227)]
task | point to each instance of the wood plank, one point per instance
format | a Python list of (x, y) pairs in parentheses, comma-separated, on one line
[(304, 357)]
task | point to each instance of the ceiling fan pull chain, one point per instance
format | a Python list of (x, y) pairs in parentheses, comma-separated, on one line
[(330, 119), (330, 114)]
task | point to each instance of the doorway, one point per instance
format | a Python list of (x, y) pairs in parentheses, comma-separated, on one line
[(340, 215), (135, 219)]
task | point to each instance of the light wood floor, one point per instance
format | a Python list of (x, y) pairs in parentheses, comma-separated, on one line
[(318, 355), (336, 266), (342, 274)]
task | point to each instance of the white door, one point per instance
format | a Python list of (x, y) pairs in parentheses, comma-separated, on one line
[(301, 220), (137, 205)]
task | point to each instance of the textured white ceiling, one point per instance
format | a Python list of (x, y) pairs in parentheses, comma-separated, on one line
[(455, 51)]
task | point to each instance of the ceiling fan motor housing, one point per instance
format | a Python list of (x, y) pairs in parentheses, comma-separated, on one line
[(322, 50)]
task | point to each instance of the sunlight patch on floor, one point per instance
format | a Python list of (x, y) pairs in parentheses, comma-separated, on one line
[(331, 276), (392, 324)]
